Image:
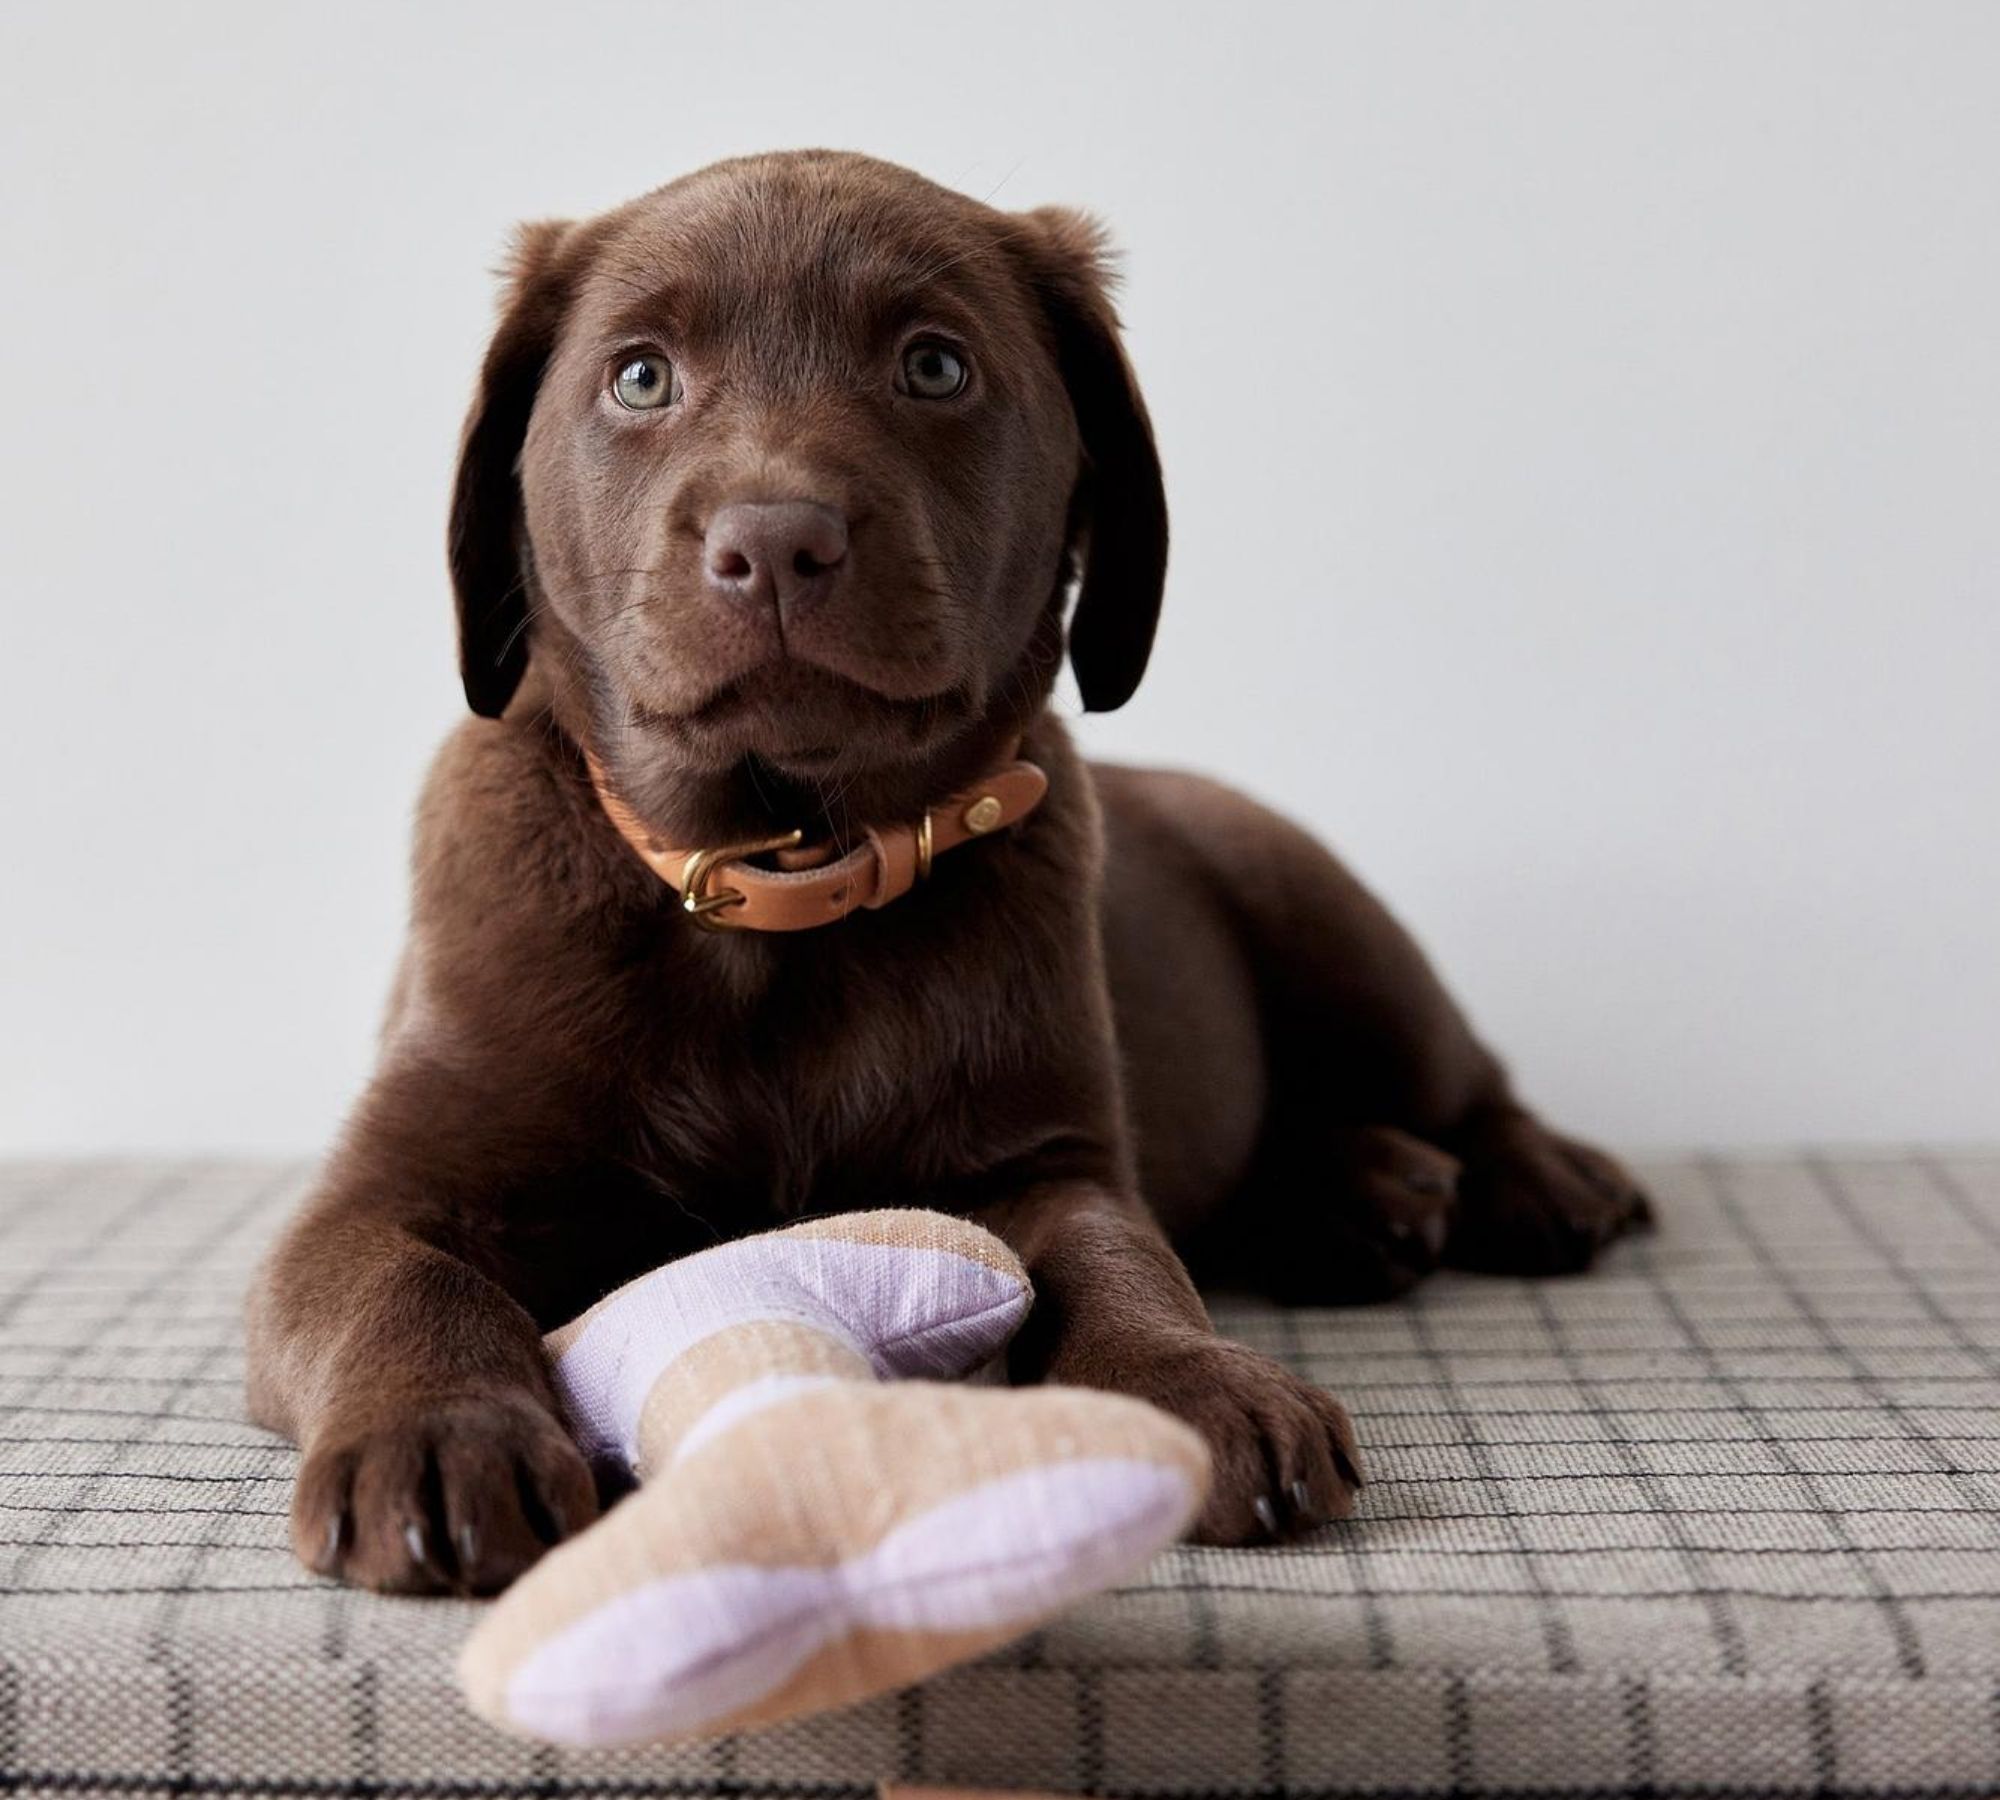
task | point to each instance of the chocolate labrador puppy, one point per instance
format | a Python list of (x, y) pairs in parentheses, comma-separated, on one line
[(765, 883)]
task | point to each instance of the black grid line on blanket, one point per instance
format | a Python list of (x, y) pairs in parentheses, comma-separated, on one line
[(1722, 1518)]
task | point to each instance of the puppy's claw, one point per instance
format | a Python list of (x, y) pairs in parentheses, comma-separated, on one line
[(1267, 1514)]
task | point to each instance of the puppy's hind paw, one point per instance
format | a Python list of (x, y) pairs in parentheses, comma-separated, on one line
[(1533, 1203)]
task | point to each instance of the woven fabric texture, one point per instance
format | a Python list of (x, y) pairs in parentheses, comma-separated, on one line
[(1723, 1518)]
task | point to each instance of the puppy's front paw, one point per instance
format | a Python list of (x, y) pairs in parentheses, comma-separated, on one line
[(1282, 1450), (1533, 1203), (458, 1495)]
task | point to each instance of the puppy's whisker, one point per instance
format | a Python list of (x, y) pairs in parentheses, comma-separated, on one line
[(528, 616), (1013, 234), (987, 197)]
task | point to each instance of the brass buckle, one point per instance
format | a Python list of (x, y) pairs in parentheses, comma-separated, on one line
[(706, 908)]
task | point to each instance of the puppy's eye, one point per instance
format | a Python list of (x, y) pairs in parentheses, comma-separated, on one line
[(932, 371), (644, 383)]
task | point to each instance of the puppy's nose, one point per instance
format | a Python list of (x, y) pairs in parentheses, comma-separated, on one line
[(782, 552)]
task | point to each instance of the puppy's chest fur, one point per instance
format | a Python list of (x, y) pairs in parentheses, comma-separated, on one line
[(849, 1067), (908, 1056)]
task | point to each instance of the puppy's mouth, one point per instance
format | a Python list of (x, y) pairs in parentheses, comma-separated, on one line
[(803, 718)]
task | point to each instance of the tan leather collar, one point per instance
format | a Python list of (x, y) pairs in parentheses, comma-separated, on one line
[(724, 890)]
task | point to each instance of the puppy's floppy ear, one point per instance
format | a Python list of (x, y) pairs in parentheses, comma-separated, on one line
[(484, 542), (1119, 514)]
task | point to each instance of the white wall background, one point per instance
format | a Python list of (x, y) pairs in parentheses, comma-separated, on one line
[(1583, 428)]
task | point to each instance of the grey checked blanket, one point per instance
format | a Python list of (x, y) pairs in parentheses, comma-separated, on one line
[(1723, 1518)]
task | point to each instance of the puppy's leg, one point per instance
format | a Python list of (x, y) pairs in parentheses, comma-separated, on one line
[(1365, 1050), (1360, 1027), (1114, 1309), (436, 1456)]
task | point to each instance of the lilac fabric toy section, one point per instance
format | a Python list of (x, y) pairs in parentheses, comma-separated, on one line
[(913, 1309), (674, 1653)]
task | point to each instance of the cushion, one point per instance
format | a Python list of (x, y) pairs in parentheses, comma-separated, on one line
[(1721, 1517)]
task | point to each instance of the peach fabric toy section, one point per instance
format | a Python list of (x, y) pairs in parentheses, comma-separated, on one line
[(822, 1513)]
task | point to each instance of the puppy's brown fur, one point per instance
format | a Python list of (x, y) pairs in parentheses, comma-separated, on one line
[(1150, 1012)]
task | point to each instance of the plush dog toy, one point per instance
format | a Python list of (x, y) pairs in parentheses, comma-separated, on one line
[(820, 1516)]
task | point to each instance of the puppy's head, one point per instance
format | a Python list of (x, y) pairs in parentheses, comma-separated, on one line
[(796, 462)]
